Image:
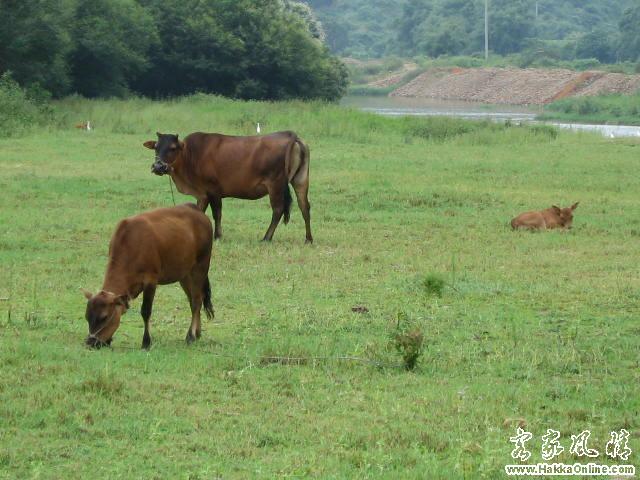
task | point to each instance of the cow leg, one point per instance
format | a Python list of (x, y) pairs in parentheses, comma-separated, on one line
[(302, 191), (276, 198), (194, 295), (216, 211), (145, 311), (203, 203)]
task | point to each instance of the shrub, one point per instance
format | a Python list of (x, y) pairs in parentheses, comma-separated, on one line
[(17, 111), (408, 341)]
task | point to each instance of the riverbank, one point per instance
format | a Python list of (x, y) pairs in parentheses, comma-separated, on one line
[(606, 125), (515, 86), (499, 81), (605, 109)]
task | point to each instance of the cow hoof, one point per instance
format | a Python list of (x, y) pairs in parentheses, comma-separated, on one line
[(308, 241), (146, 344), (190, 338)]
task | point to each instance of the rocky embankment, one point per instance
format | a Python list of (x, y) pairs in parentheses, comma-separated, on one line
[(513, 85)]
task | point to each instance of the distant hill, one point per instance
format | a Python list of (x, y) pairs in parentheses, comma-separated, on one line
[(373, 28), (359, 28)]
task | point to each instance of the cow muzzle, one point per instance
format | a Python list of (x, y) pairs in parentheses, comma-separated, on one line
[(160, 168), (95, 342)]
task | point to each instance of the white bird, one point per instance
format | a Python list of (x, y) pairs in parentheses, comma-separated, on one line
[(611, 135), (258, 127), (89, 125)]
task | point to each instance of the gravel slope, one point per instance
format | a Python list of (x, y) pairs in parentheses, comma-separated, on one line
[(514, 86)]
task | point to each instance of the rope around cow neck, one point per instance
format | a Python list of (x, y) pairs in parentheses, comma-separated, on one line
[(171, 187)]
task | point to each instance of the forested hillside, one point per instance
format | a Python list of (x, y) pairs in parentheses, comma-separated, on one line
[(271, 49), (359, 28), (566, 29)]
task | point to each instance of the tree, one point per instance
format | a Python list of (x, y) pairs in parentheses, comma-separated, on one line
[(111, 41), (630, 34), (35, 42), (242, 48), (308, 16), (597, 44), (511, 23)]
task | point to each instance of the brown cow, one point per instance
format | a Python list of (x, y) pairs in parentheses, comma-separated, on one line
[(154, 248), (212, 166), (553, 217)]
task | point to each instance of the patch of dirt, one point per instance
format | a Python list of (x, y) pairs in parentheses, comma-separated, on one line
[(360, 309), (389, 80), (612, 83), (513, 85)]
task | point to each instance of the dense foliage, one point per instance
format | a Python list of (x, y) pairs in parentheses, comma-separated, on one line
[(265, 49), (19, 110), (565, 29), (630, 34), (359, 28)]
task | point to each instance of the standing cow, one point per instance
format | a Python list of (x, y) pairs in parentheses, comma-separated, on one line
[(211, 166)]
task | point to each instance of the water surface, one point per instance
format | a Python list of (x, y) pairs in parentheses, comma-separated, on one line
[(402, 106)]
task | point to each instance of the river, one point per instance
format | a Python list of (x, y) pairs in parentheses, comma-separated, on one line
[(400, 106)]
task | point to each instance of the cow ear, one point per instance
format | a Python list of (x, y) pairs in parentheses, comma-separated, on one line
[(180, 144), (574, 206), (556, 209), (87, 294), (151, 145), (122, 300)]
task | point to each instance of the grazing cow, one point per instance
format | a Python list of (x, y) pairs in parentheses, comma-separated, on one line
[(154, 248), (212, 166), (553, 217)]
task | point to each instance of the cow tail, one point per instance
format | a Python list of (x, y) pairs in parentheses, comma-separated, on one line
[(287, 204), (287, 167), (206, 302)]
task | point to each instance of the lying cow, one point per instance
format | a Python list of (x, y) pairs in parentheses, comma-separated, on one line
[(553, 217), (211, 166), (154, 248)]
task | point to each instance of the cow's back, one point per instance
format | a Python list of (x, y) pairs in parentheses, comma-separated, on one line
[(236, 165), (529, 220), (165, 243)]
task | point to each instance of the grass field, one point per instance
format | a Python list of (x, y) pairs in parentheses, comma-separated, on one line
[(535, 326)]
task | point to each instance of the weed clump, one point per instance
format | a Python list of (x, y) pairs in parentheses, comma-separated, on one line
[(433, 284), (409, 346), (408, 341), (103, 384)]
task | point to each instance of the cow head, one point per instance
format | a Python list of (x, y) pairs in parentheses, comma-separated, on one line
[(167, 148), (104, 310), (565, 214)]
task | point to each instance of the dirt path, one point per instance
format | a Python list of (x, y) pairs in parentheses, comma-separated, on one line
[(514, 86)]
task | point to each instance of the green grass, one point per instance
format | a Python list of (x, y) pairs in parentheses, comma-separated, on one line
[(611, 109), (410, 221)]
